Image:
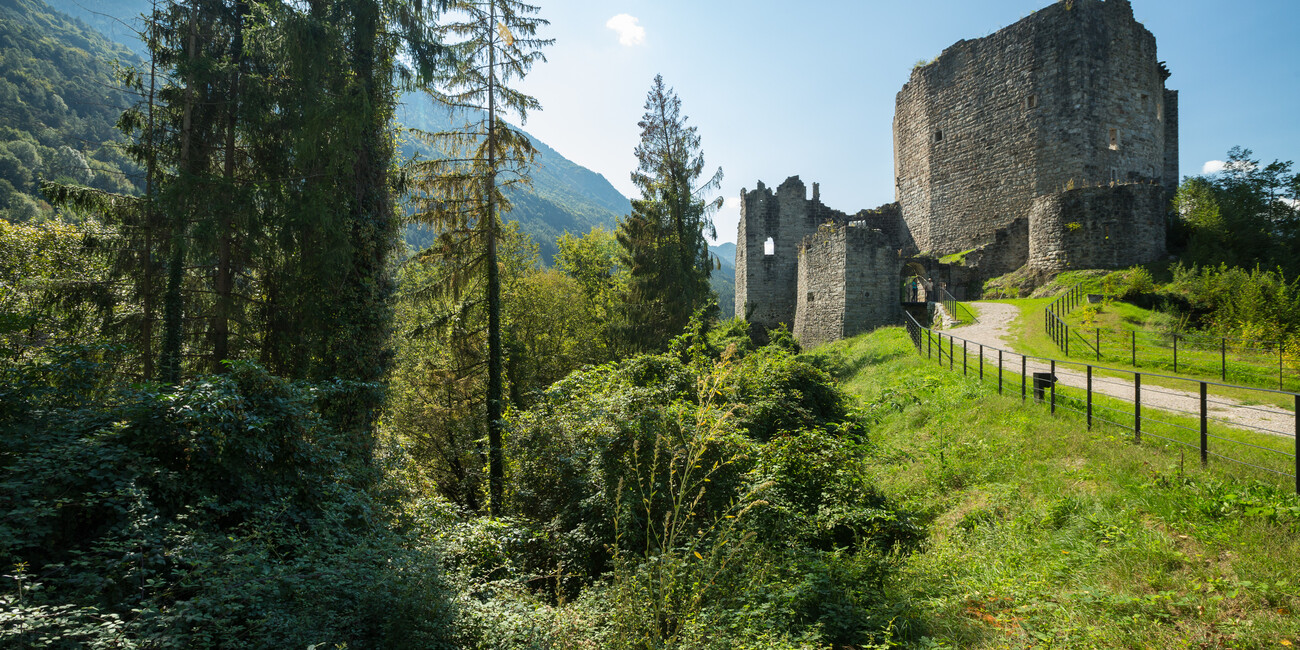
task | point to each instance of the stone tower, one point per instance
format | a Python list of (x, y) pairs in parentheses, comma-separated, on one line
[(1071, 96)]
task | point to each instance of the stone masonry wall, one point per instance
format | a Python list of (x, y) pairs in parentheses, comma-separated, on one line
[(766, 284), (1097, 227), (1008, 251), (1072, 94), (847, 284), (1170, 116)]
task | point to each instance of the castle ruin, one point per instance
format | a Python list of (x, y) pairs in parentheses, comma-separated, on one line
[(1052, 144)]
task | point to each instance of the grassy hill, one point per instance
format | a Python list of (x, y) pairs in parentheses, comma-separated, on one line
[(1041, 533)]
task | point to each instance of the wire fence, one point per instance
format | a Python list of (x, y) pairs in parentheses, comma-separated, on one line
[(1241, 361), (1259, 432)]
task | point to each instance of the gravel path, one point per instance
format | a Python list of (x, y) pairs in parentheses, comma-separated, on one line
[(993, 330)]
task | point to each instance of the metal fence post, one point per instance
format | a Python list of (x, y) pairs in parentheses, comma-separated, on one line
[(1205, 425), (1297, 444), (963, 358), (1137, 407), (1090, 398), (1067, 339), (1053, 379), (951, 346), (981, 362), (1175, 353), (929, 337), (1223, 358), (999, 371)]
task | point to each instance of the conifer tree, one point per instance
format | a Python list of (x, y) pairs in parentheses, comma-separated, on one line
[(494, 43), (664, 239)]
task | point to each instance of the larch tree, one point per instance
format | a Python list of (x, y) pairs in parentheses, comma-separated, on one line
[(664, 239), (494, 43)]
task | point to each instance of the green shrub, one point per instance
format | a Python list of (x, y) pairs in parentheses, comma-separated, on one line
[(233, 507), (695, 503)]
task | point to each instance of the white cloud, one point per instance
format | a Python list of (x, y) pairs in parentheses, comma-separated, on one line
[(1212, 167), (630, 33)]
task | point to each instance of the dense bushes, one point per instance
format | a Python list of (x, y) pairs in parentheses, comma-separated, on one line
[(231, 508), (690, 500)]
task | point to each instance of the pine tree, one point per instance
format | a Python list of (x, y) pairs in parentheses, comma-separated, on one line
[(493, 44), (664, 239)]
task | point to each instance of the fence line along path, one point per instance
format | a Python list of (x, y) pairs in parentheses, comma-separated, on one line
[(993, 330)]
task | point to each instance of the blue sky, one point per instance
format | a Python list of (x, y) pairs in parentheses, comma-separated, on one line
[(779, 89)]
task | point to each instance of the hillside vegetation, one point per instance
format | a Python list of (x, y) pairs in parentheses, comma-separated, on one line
[(1040, 533), (59, 104)]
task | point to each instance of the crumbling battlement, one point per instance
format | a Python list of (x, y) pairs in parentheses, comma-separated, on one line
[(772, 229), (990, 140)]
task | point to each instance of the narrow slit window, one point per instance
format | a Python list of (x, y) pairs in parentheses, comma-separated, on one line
[(938, 135), (1160, 111), (1031, 101), (1114, 139), (769, 247)]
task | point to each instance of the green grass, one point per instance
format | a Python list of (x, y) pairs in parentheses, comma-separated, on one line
[(956, 258), (1028, 335), (1043, 534), (1154, 351)]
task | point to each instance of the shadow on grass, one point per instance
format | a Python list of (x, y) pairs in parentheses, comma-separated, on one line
[(842, 366)]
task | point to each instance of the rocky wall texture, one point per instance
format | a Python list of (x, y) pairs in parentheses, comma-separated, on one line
[(1008, 251), (848, 283), (1071, 96), (1097, 228), (766, 274)]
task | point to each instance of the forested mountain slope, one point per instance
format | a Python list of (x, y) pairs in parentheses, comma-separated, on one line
[(563, 197), (59, 102)]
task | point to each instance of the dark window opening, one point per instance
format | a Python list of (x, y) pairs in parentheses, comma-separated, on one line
[(811, 295), (1114, 139), (1031, 101), (938, 135)]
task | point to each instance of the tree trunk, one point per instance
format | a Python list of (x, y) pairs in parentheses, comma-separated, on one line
[(225, 233), (496, 460)]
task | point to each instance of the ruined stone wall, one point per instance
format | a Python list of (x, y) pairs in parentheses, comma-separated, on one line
[(1170, 117), (1070, 94), (848, 283), (1008, 251), (766, 283), (1097, 227)]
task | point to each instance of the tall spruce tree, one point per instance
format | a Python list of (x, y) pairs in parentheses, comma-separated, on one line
[(494, 43), (664, 239)]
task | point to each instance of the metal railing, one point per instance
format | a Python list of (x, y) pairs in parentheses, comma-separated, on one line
[(955, 308), (1259, 363), (1260, 432)]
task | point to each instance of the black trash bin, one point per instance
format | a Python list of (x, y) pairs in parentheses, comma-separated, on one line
[(1043, 381)]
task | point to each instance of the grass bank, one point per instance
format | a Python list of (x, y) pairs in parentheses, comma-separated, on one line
[(1043, 534)]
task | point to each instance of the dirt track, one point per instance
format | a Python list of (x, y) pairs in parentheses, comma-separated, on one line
[(992, 330)]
